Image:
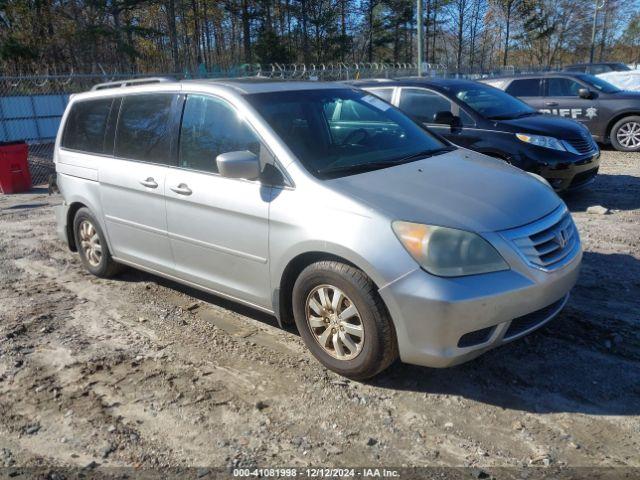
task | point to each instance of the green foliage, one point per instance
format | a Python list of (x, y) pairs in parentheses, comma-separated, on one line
[(205, 36)]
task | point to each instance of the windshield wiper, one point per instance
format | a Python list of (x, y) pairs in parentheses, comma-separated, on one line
[(525, 114), (423, 154), (510, 116), (358, 168), (364, 167)]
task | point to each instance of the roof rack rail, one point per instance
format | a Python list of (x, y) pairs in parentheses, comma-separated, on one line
[(132, 82)]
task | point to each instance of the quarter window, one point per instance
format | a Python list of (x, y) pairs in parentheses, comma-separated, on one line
[(563, 87), (86, 125), (144, 128), (528, 87), (423, 105), (211, 127)]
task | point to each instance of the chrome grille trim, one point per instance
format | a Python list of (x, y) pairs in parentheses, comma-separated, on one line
[(549, 243)]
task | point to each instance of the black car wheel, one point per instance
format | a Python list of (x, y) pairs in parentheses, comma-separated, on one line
[(625, 134), (343, 321)]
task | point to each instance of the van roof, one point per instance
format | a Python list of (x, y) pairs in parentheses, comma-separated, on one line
[(264, 85), (246, 85)]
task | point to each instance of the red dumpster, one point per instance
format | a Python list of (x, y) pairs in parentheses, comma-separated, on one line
[(14, 168)]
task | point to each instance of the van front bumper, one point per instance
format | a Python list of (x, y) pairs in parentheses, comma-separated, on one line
[(442, 322)]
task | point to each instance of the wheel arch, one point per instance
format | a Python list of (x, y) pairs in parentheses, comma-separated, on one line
[(71, 215), (283, 294)]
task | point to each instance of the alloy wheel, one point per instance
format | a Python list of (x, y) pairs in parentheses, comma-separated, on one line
[(335, 322), (90, 243), (628, 135)]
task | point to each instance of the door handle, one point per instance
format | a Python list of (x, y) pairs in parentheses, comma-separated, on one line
[(149, 183), (182, 189), (551, 104)]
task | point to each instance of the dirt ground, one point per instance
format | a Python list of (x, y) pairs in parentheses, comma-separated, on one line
[(139, 371)]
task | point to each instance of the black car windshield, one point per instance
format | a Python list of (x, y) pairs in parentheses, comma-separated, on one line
[(490, 102), (598, 84), (338, 132)]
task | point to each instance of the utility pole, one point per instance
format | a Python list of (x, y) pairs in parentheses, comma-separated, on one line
[(593, 29), (420, 44)]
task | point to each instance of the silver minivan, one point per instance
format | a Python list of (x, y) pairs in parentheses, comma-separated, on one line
[(377, 237)]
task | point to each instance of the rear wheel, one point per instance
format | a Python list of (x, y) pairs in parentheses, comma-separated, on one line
[(342, 320), (625, 134), (92, 246)]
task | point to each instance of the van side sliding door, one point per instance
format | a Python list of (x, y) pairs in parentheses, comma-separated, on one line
[(132, 182)]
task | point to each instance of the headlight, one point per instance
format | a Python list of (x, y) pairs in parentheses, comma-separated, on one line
[(541, 141), (448, 252)]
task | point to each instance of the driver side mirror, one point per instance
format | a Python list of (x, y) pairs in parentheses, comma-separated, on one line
[(240, 164), (585, 93), (445, 117)]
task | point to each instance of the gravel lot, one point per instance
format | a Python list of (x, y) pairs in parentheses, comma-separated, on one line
[(142, 372)]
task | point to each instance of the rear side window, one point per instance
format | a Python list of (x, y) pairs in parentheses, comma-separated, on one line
[(144, 128), (86, 124), (528, 87), (211, 127), (423, 105)]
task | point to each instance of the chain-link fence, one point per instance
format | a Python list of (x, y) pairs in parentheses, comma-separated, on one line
[(31, 107)]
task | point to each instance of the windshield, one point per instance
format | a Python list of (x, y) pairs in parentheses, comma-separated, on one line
[(490, 102), (598, 84), (338, 132)]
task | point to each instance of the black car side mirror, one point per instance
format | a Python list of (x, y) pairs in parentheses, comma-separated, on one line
[(585, 93), (445, 117)]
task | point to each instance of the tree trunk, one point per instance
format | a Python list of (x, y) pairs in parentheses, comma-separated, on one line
[(305, 33), (370, 21), (246, 31), (173, 34), (506, 35)]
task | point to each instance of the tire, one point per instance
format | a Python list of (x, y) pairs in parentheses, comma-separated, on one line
[(622, 142), (376, 347), (97, 262)]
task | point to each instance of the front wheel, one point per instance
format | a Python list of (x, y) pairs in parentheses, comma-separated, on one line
[(625, 134), (342, 320)]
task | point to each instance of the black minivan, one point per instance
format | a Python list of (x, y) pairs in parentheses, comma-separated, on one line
[(485, 119)]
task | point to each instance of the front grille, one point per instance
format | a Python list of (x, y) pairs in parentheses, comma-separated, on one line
[(584, 144), (527, 322), (548, 243), (583, 177)]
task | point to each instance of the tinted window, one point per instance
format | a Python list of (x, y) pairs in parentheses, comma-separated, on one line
[(144, 131), (86, 125), (423, 105), (490, 102), (383, 93), (528, 87), (563, 87), (211, 127), (331, 148)]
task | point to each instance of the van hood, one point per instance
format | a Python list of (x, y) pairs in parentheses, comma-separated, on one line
[(459, 189), (544, 124)]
